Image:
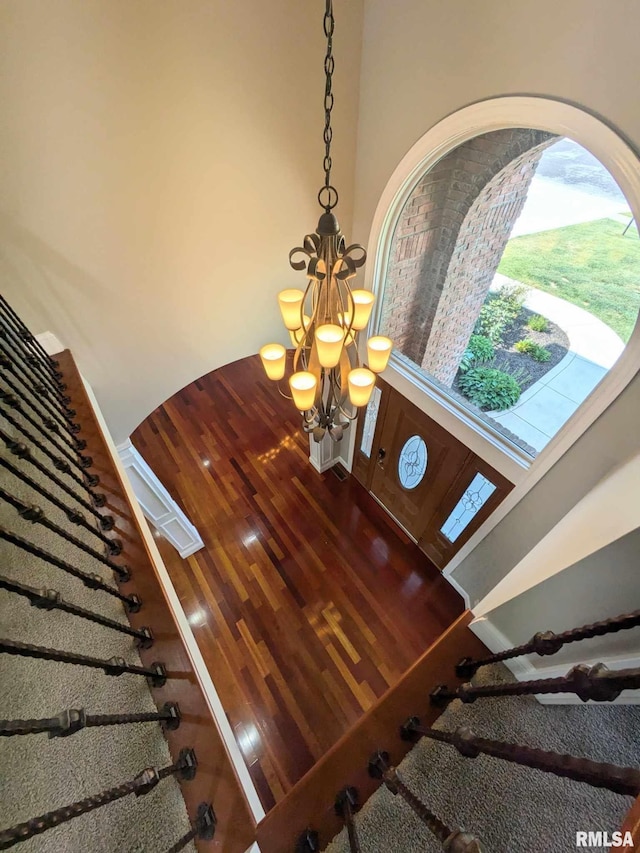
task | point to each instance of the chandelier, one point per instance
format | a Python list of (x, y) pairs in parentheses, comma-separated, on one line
[(328, 384)]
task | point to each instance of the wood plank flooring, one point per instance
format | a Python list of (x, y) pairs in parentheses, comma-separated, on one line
[(307, 601)]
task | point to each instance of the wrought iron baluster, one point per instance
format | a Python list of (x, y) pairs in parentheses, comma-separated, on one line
[(40, 392), (548, 643), (21, 451), (185, 767), (204, 828), (48, 424), (308, 842), (80, 463), (156, 674), (73, 720), (452, 840), (596, 683), (18, 348), (12, 318), (50, 599), (58, 464), (35, 514), (345, 807), (91, 581), (114, 546), (620, 780)]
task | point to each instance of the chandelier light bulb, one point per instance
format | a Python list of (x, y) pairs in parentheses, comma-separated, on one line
[(296, 335), (329, 340), (378, 352), (363, 303), (361, 382), (273, 358), (290, 302), (303, 390)]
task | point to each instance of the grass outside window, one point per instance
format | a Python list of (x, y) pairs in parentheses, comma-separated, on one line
[(590, 265)]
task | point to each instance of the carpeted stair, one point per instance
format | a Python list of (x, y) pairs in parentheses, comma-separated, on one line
[(38, 774), (511, 809)]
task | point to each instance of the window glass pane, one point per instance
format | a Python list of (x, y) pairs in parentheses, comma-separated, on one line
[(512, 280), (370, 418), (412, 463), (472, 501)]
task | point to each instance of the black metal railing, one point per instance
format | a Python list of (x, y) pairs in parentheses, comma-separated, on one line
[(589, 683), (48, 480), (548, 642)]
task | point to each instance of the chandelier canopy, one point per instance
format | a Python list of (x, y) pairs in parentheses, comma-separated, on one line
[(327, 385)]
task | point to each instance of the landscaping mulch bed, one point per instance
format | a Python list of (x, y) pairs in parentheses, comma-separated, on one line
[(507, 357)]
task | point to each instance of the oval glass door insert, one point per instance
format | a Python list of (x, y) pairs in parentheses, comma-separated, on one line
[(412, 464)]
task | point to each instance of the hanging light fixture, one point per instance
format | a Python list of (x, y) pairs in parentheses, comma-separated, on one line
[(328, 384)]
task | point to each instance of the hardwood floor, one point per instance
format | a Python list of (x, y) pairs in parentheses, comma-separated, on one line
[(307, 601)]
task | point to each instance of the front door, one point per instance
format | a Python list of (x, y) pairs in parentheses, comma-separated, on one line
[(437, 489)]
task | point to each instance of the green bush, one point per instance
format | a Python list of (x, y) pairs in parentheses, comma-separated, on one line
[(489, 388), (538, 323), (529, 347), (479, 349), (500, 310)]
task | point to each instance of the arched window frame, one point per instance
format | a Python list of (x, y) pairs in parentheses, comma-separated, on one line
[(622, 162)]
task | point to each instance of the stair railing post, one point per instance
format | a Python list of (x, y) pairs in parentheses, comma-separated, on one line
[(184, 768), (452, 840), (590, 683), (345, 807), (620, 780)]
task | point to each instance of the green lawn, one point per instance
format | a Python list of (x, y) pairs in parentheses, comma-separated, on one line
[(591, 265)]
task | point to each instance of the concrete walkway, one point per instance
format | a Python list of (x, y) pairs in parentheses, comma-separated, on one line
[(549, 403)]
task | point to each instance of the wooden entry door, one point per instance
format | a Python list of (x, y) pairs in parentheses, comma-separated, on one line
[(415, 462), (437, 489)]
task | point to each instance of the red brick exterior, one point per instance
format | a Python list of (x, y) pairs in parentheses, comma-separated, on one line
[(448, 243)]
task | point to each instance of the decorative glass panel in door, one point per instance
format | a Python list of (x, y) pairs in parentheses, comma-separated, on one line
[(414, 462)]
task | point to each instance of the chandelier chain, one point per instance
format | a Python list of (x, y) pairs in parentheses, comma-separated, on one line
[(328, 196)]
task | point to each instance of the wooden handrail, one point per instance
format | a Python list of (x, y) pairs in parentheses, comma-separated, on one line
[(216, 781), (310, 801)]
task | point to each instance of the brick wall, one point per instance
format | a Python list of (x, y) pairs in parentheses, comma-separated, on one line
[(448, 243)]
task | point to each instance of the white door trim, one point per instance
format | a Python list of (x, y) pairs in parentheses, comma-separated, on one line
[(495, 114)]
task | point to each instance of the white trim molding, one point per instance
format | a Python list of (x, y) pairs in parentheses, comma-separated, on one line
[(322, 454), (157, 504), (497, 114), (525, 670)]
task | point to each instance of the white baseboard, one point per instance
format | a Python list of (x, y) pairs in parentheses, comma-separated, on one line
[(525, 670), (454, 583), (157, 504)]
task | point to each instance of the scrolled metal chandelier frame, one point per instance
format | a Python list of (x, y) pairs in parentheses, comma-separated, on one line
[(328, 384)]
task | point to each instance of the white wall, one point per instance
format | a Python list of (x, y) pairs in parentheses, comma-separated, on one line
[(605, 514), (157, 163), (601, 586), (423, 60)]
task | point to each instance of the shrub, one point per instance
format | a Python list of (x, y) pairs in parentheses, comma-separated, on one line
[(479, 349), (500, 310), (489, 388), (529, 347), (538, 323)]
